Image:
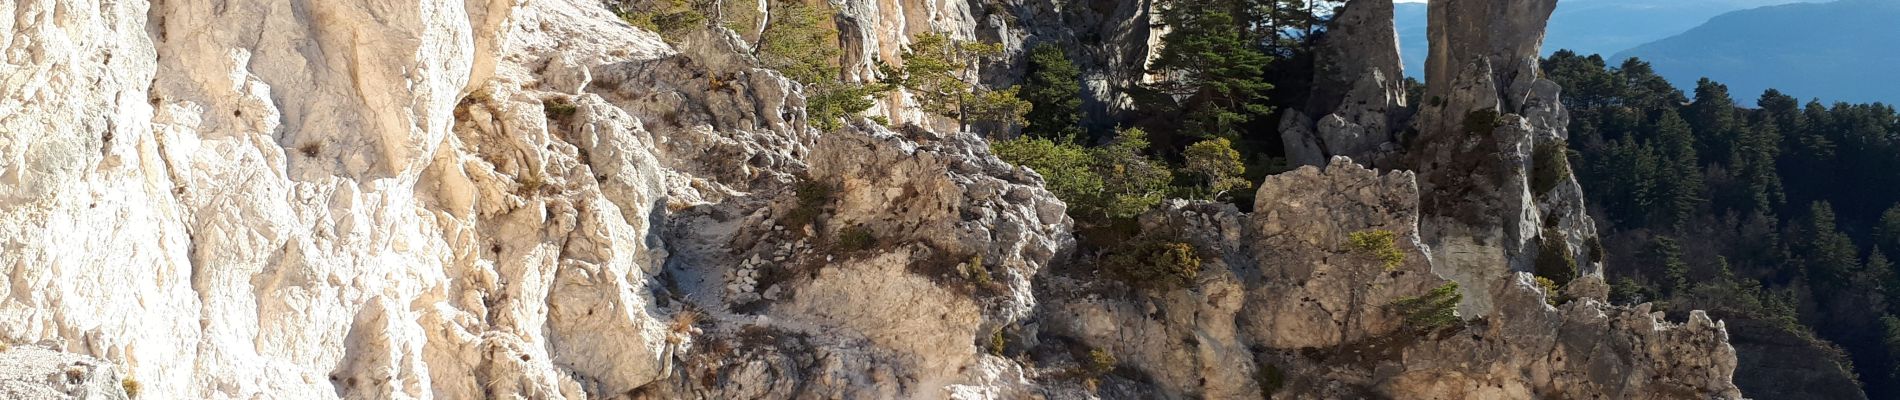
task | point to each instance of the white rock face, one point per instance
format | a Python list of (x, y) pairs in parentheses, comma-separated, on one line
[(291, 199), (31, 372)]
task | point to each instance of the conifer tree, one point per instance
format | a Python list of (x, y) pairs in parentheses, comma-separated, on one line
[(1218, 71), (1053, 89), (1679, 187), (941, 72)]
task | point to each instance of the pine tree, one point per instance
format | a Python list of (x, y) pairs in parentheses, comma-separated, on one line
[(940, 71), (801, 42), (1217, 165), (1053, 88), (1132, 181), (1679, 187), (1879, 272), (1754, 160), (1828, 254), (1887, 231), (1675, 271), (1712, 116), (1219, 69)]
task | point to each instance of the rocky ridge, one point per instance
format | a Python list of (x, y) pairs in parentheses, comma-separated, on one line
[(532, 199)]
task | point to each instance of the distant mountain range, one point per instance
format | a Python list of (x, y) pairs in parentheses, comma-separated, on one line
[(1590, 26), (1847, 50)]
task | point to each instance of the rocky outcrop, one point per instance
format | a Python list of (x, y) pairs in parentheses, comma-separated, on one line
[(1358, 92), (35, 373), (1496, 188), (885, 286), (1776, 363), (1322, 318), (443, 199), (1110, 41)]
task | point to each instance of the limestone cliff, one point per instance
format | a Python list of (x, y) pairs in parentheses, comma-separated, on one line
[(534, 199)]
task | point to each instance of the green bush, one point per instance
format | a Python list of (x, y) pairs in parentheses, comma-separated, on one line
[(1625, 290), (812, 198), (1270, 378), (1433, 311), (856, 238), (1595, 246), (1115, 181), (827, 102), (1217, 165), (1551, 290), (976, 271), (1100, 362), (1067, 169), (558, 108), (997, 343), (1550, 165), (1132, 182), (1554, 260), (1379, 244), (1483, 121), (1154, 263), (939, 71), (1053, 88), (667, 18)]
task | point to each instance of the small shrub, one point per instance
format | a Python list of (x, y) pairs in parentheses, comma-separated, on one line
[(1595, 245), (131, 386), (1554, 260), (1550, 165), (975, 271), (682, 326), (1626, 290), (1483, 121), (558, 108), (1270, 378), (812, 198), (530, 185), (997, 343), (1433, 311), (1067, 169), (310, 149), (667, 18), (1100, 362), (856, 238), (1551, 295), (1154, 263), (1217, 165), (1379, 244), (829, 101)]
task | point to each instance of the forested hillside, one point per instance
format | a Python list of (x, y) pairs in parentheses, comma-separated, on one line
[(1769, 209)]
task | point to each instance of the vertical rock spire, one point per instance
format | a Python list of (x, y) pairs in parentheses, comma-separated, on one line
[(1358, 91), (1494, 182)]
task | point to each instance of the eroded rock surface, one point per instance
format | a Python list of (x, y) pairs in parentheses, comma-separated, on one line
[(1284, 293), (450, 199), (1358, 92), (35, 373), (1496, 189)]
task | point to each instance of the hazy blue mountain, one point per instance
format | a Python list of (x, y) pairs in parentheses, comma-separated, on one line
[(1588, 26), (1846, 51)]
